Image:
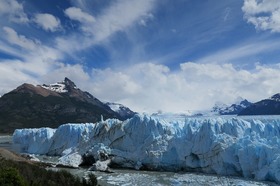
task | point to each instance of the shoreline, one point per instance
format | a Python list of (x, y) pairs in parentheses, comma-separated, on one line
[(134, 174), (9, 155)]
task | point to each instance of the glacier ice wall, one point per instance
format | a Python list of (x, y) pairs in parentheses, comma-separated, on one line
[(242, 146)]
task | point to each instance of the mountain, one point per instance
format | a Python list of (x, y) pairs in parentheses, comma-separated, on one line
[(270, 106), (233, 109), (123, 111), (30, 106)]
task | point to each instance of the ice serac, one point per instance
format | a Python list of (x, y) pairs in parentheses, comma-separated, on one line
[(34, 141), (248, 147)]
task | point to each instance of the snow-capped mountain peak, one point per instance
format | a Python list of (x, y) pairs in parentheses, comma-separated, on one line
[(233, 109), (56, 87), (60, 87)]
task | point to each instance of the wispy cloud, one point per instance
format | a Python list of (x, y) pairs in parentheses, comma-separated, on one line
[(118, 17), (13, 11), (19, 40), (27, 48), (238, 52)]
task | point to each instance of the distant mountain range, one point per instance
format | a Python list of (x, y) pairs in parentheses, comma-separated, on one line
[(223, 109), (270, 106), (30, 106), (233, 109)]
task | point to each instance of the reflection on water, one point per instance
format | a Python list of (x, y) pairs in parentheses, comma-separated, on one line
[(126, 177)]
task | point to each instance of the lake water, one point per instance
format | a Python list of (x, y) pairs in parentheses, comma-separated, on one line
[(6, 142), (124, 177)]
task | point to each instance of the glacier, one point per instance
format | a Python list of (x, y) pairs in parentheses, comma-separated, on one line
[(235, 146)]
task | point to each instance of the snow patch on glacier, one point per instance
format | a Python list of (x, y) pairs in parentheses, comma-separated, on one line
[(242, 146)]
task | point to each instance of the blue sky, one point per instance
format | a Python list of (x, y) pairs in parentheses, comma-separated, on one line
[(151, 55)]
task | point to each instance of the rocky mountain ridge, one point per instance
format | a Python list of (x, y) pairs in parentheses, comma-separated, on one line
[(30, 106), (269, 106)]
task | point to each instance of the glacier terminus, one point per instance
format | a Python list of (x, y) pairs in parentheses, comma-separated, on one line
[(224, 145)]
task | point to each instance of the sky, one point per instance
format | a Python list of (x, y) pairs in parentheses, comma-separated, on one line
[(150, 55)]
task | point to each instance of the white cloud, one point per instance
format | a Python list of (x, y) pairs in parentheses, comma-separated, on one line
[(78, 15), (48, 22), (125, 86), (87, 21), (13, 10), (14, 38), (149, 87), (264, 14)]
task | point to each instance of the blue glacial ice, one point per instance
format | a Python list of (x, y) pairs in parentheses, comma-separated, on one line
[(238, 146)]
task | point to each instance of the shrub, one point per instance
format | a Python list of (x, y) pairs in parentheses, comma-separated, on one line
[(11, 176), (23, 173)]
